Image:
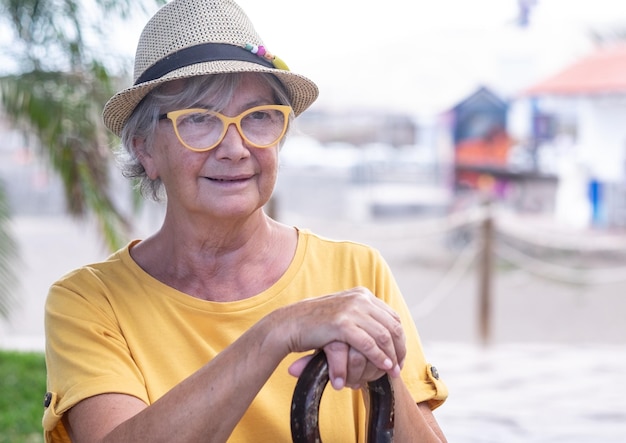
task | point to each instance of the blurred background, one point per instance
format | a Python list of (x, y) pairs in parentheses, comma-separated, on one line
[(480, 145)]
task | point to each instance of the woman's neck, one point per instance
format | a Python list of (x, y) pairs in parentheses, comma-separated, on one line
[(217, 261)]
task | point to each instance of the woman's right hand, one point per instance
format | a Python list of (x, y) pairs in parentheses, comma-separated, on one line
[(347, 367), (362, 336)]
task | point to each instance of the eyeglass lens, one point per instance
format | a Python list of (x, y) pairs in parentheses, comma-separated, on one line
[(202, 129)]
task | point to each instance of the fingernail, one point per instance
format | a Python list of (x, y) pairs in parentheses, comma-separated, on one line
[(338, 383), (388, 364), (395, 372)]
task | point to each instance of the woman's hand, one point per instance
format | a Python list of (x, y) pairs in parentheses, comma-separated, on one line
[(361, 335), (347, 367)]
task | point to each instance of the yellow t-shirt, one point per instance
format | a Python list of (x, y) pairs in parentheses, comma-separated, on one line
[(112, 328)]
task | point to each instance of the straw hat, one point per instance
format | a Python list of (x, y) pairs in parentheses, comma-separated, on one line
[(187, 38)]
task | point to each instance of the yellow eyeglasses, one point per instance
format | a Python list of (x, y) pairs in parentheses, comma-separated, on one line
[(201, 130)]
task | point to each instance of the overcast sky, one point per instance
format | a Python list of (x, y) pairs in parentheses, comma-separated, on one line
[(422, 55)]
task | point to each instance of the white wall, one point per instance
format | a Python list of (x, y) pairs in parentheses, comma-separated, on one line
[(602, 137)]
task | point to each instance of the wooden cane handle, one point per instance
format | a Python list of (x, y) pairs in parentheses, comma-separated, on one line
[(308, 394)]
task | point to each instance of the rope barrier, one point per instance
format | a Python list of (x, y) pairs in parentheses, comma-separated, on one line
[(450, 279), (564, 274), (520, 231), (523, 231), (513, 228), (403, 230)]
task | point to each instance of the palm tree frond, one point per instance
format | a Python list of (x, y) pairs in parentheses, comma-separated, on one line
[(53, 90), (62, 111)]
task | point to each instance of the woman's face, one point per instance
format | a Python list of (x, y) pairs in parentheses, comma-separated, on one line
[(231, 180)]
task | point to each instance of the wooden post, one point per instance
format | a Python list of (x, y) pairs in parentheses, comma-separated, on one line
[(485, 275)]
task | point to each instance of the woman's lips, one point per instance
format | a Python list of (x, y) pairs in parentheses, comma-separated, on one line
[(230, 179)]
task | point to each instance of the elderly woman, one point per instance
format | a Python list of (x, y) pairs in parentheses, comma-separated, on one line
[(198, 332)]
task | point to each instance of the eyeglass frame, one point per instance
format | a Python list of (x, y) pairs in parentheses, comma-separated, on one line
[(227, 121)]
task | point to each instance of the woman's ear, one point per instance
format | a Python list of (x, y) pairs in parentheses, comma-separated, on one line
[(142, 151)]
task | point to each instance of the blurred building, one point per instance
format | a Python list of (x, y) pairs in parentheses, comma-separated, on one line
[(484, 156), (359, 128), (573, 124)]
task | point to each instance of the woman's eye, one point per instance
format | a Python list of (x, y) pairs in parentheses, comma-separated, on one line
[(259, 115), (200, 118), (197, 119)]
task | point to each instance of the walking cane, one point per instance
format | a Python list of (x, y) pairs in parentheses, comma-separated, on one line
[(308, 394)]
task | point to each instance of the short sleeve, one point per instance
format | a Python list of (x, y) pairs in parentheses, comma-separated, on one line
[(86, 353)]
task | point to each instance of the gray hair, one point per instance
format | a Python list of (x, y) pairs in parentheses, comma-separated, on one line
[(145, 118)]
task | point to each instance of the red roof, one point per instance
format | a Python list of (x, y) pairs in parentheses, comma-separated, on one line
[(602, 72)]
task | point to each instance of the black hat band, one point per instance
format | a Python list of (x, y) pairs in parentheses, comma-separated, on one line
[(206, 52)]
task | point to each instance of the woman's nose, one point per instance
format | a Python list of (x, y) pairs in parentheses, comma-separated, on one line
[(232, 146)]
